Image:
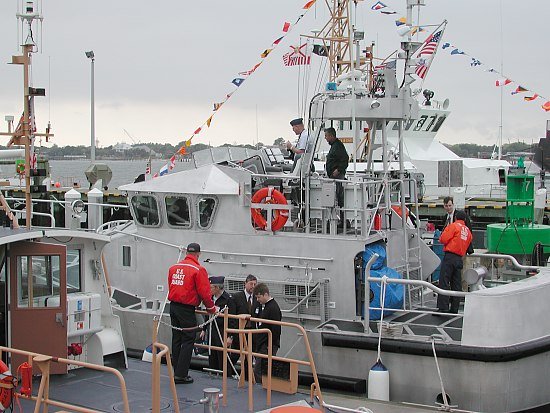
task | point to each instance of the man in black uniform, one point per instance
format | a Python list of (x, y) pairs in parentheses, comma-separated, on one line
[(337, 162), (269, 310), (246, 304), (221, 299)]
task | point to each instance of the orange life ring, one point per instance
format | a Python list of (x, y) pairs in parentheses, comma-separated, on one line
[(5, 393), (269, 196), (20, 168)]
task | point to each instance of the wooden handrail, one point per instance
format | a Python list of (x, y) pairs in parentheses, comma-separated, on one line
[(4, 206), (43, 362), (243, 318)]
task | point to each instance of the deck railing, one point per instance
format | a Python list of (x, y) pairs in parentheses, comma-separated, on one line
[(43, 362)]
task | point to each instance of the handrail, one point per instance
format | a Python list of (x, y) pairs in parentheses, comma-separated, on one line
[(8, 211), (438, 290), (43, 362), (238, 254), (244, 351), (506, 257)]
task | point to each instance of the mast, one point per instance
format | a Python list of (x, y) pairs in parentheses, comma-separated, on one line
[(337, 37), (24, 134)]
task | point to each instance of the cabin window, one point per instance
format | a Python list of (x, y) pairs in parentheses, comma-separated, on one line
[(74, 272), (177, 211), (43, 272), (145, 210), (126, 256), (206, 208)]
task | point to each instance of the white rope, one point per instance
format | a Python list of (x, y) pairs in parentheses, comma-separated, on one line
[(221, 341), (444, 395), (383, 291)]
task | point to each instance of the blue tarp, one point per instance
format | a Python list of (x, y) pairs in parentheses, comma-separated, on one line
[(394, 292)]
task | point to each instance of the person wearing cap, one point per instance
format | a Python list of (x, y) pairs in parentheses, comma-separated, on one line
[(221, 299), (188, 286), (303, 136), (456, 237)]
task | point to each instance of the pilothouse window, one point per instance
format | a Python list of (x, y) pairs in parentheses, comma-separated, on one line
[(177, 211), (206, 208), (146, 210), (38, 280)]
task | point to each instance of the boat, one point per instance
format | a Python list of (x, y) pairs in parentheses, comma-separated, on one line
[(332, 268)]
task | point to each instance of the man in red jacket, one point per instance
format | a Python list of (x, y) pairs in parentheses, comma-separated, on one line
[(456, 238), (188, 285)]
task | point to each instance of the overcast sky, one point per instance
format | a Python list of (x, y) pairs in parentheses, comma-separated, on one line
[(161, 65)]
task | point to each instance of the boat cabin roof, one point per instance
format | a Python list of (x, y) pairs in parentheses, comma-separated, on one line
[(210, 179)]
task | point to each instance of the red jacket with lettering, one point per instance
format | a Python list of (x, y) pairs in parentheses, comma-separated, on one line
[(188, 284), (456, 238)]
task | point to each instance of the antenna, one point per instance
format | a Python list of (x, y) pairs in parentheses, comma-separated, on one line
[(29, 12)]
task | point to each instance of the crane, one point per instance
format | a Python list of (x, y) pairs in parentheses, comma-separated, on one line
[(131, 137)]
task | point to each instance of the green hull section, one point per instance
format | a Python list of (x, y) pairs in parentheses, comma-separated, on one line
[(505, 239)]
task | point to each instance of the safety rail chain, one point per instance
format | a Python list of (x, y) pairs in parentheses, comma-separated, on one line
[(43, 363), (6, 208), (245, 337)]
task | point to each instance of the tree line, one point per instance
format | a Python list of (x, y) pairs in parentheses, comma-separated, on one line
[(166, 150)]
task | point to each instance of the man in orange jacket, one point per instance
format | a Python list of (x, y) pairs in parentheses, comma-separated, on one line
[(188, 285), (456, 238)]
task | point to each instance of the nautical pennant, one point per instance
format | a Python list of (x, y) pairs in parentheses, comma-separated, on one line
[(546, 106), (529, 98), (378, 6), (401, 21), (519, 89), (474, 62), (237, 81), (502, 82), (309, 4), (286, 27)]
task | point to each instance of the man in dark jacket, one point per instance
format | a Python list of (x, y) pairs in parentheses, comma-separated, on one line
[(246, 304), (221, 299), (337, 162), (188, 285), (268, 310)]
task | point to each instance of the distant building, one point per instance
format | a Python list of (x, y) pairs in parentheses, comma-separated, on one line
[(122, 147)]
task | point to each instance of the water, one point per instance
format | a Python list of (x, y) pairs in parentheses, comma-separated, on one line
[(68, 172)]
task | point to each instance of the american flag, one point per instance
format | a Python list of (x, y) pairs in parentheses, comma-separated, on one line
[(297, 56), (426, 53)]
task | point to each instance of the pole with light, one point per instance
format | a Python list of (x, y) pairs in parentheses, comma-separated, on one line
[(90, 55)]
